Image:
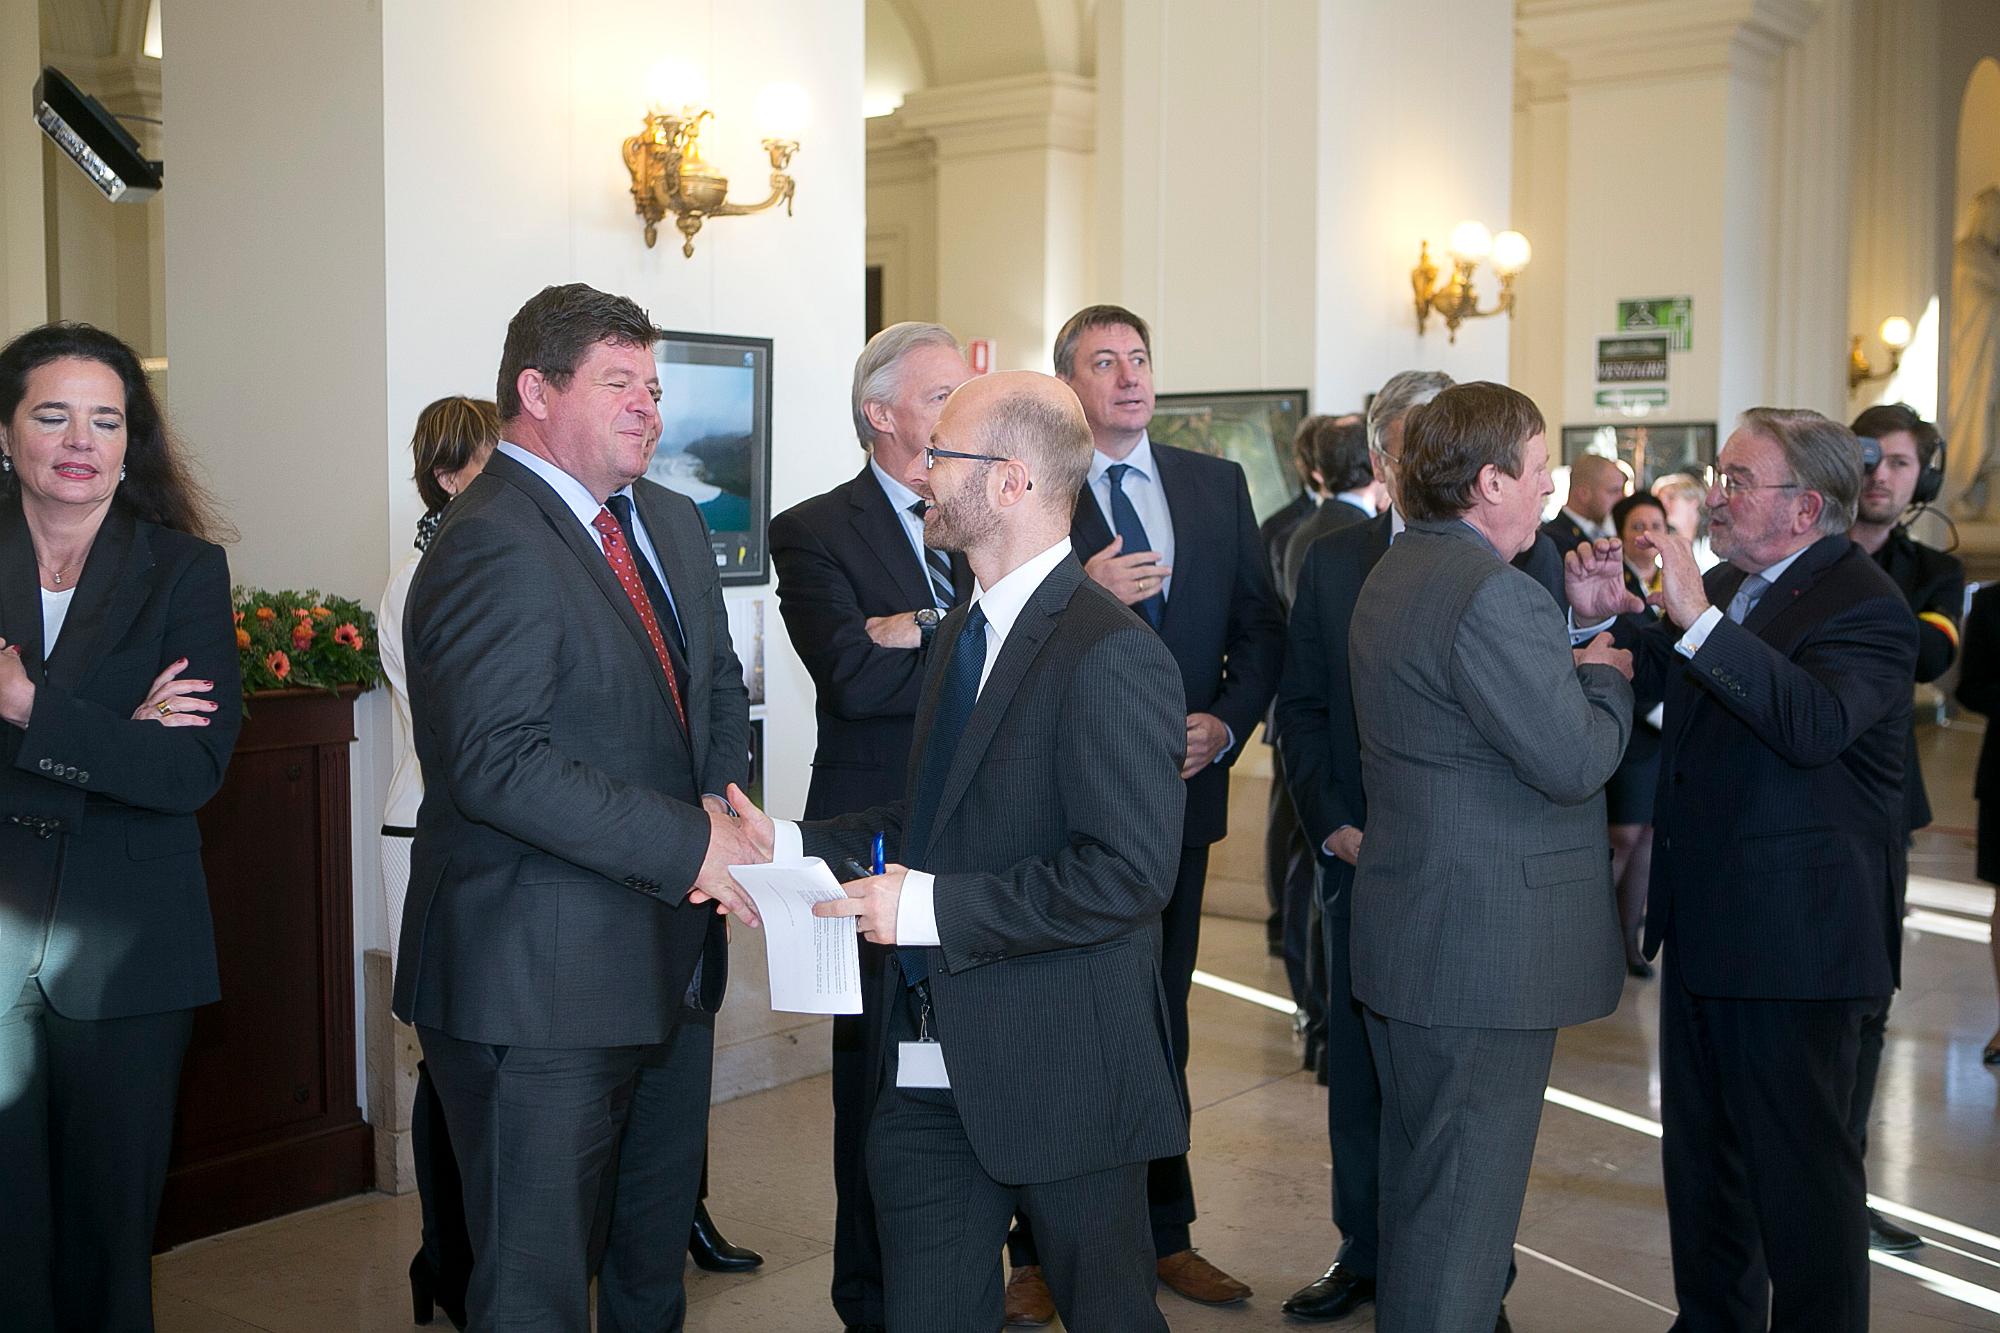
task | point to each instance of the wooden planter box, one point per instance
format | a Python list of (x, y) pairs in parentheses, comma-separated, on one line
[(268, 1121)]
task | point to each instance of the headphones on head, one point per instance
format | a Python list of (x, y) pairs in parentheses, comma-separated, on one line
[(1887, 418)]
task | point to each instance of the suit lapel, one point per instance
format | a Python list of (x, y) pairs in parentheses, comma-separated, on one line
[(1017, 654), (1805, 571), (109, 593), (562, 521), (1180, 499), (1378, 540), (881, 528), (1088, 531), (20, 591)]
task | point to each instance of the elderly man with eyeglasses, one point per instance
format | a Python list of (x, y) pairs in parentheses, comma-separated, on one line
[(1786, 674)]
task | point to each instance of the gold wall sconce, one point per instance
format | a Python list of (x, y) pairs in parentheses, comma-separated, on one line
[(670, 176), (1454, 299), (1895, 334)]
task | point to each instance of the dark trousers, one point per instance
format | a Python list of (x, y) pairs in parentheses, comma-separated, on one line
[(1288, 883), (942, 1218), (1353, 1096), (1765, 1197), (857, 1249), (86, 1123), (1460, 1111), (1169, 1187), (447, 1247), (1867, 1068), (548, 1141)]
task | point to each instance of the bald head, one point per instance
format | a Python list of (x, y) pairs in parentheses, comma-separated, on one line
[(1027, 416), (1595, 484)]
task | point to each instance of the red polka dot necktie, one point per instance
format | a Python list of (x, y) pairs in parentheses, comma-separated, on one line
[(620, 556)]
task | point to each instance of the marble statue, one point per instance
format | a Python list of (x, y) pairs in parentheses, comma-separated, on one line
[(1972, 415)]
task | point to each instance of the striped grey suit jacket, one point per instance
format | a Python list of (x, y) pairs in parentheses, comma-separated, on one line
[(1055, 844), (1483, 896)]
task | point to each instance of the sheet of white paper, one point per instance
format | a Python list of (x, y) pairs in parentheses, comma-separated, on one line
[(815, 962)]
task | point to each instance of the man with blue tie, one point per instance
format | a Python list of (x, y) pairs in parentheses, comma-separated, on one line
[(862, 595), (1170, 533)]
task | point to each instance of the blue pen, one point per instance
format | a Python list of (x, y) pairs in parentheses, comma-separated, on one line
[(878, 853)]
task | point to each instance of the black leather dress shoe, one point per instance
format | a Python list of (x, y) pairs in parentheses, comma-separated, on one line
[(1887, 1236), (712, 1254), (1337, 1294), (1501, 1325)]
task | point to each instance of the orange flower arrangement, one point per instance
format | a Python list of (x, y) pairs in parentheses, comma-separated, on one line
[(281, 643)]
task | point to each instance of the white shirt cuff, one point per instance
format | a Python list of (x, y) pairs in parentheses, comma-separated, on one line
[(1697, 634), (787, 843), (1228, 745), (1582, 634), (916, 910)]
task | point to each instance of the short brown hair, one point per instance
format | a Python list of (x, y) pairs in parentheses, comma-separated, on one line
[(450, 433), (557, 328), (1340, 454), (1096, 317), (1449, 440)]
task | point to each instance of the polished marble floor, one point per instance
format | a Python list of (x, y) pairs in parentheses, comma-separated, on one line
[(1593, 1239)]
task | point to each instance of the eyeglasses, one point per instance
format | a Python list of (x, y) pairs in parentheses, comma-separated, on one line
[(932, 455), (1731, 486)]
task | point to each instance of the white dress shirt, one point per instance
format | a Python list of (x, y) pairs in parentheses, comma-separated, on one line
[(1142, 487), (916, 910), (1362, 500), (1704, 624), (55, 610), (1594, 531), (585, 506)]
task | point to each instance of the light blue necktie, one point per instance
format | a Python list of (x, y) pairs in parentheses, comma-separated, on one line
[(1746, 598)]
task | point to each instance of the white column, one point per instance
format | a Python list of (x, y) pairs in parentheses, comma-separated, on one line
[(1013, 198)]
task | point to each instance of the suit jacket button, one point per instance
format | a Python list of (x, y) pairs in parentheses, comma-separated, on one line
[(83, 776), (46, 765), (70, 772), (1667, 844)]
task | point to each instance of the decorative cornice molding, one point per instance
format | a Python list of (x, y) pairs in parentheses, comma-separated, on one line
[(1606, 41), (1024, 112), (898, 154)]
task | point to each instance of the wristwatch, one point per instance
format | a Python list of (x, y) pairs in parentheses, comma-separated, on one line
[(927, 623)]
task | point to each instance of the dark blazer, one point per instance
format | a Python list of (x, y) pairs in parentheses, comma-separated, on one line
[(1276, 532), (97, 827), (1933, 583), (1543, 562), (843, 557), (1483, 897), (1564, 533), (1050, 883), (1778, 856), (561, 826), (1223, 622), (1979, 690), (1316, 729), (1331, 516)]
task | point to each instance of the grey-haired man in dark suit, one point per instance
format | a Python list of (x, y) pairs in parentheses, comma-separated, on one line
[(1027, 1064), (580, 718), (1484, 917)]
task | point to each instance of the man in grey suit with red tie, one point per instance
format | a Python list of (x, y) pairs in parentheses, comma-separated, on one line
[(1027, 1066), (580, 718)]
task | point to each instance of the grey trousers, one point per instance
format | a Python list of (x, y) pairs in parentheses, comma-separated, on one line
[(572, 1159), (1460, 1110), (942, 1220)]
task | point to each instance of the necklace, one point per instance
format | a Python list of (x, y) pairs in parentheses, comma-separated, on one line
[(57, 575)]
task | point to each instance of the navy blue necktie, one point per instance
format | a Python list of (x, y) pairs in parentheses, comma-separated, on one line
[(957, 693), (1125, 518)]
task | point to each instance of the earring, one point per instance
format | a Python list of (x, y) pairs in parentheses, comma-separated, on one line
[(6, 463), (121, 472)]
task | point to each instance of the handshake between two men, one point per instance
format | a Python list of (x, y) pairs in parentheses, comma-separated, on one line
[(741, 834)]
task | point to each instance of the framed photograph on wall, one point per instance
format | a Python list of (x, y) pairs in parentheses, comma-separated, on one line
[(1650, 449), (715, 442), (1252, 428)]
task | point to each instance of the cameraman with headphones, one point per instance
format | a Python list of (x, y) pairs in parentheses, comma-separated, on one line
[(1907, 472)]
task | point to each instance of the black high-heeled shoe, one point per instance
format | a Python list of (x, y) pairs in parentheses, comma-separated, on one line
[(713, 1254), (426, 1297)]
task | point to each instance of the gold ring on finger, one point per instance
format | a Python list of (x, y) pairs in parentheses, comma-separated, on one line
[(164, 708)]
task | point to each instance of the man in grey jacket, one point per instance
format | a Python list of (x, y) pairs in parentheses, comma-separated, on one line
[(1484, 917)]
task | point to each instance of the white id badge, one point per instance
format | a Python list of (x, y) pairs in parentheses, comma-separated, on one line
[(920, 1064)]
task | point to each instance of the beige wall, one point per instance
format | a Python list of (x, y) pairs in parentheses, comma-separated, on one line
[(24, 290)]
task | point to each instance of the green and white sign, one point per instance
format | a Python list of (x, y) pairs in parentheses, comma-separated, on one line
[(1636, 401), (1671, 315), (1632, 359)]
